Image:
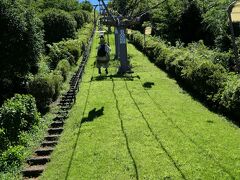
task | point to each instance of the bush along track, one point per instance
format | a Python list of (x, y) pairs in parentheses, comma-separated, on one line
[(36, 164), (201, 70)]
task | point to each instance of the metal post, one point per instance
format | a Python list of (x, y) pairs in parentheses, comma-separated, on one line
[(108, 39), (235, 49), (123, 49), (144, 41), (116, 43), (95, 19)]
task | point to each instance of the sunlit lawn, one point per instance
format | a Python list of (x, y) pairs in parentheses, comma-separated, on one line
[(120, 129)]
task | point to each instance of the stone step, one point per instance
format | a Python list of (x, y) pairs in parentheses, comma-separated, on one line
[(70, 94), (62, 113), (49, 143), (44, 151), (33, 171), (57, 124), (51, 138), (67, 98), (38, 160), (69, 101), (52, 131), (59, 118), (65, 108)]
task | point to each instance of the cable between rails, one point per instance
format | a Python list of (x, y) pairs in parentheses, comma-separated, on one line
[(124, 132), (154, 135), (204, 151)]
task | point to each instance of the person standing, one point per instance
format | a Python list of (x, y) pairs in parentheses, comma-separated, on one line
[(103, 55)]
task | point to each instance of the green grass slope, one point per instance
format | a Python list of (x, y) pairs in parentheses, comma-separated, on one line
[(142, 126)]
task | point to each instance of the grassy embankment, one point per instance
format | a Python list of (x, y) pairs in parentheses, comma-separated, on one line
[(142, 126)]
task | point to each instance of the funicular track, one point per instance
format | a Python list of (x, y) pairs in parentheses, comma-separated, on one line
[(36, 164), (202, 149), (154, 135), (161, 146), (158, 106), (124, 132)]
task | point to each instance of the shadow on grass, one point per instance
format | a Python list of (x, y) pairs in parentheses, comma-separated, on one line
[(231, 116), (115, 76), (148, 84), (93, 114)]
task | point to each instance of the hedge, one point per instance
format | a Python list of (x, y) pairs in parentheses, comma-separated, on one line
[(46, 85), (17, 115), (58, 25), (202, 70)]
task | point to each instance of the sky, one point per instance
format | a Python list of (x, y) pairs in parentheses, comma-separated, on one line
[(91, 1)]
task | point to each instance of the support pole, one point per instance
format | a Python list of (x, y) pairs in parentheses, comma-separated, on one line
[(144, 41), (95, 19), (116, 43), (124, 68), (235, 49)]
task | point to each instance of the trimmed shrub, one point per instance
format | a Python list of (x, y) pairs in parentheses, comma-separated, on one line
[(87, 16), (3, 140), (206, 78), (64, 67), (58, 25), (21, 43), (12, 157), (69, 5), (45, 88), (87, 6), (18, 114), (57, 53), (79, 18), (21, 39), (43, 65), (69, 50), (229, 97)]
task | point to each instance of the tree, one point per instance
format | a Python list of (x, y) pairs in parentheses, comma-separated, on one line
[(58, 25), (87, 6), (66, 5), (21, 43)]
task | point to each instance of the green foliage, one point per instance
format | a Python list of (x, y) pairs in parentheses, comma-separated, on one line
[(182, 124), (206, 78), (58, 25), (199, 68), (24, 32), (185, 20), (21, 43), (46, 85), (69, 5), (64, 67), (87, 16), (69, 50), (57, 53), (229, 97), (3, 140), (18, 114), (43, 65), (79, 17), (45, 88), (12, 157), (87, 6)]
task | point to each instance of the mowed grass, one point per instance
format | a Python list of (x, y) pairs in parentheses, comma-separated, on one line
[(142, 126)]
